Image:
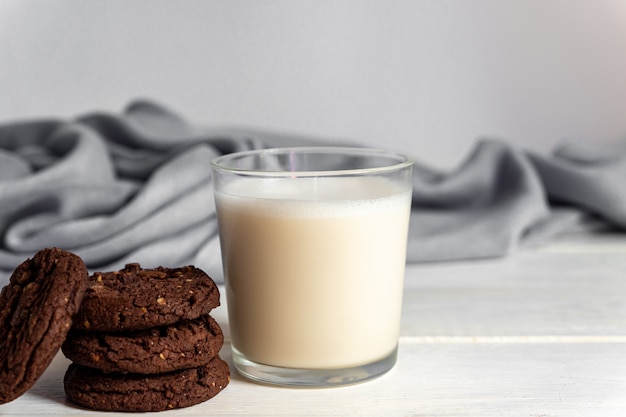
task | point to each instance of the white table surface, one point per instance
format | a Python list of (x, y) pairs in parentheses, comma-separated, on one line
[(540, 333)]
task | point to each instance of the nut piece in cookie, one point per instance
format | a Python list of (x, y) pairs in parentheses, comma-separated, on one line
[(136, 298), (36, 310)]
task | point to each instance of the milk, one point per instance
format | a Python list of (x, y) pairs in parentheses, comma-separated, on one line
[(314, 268)]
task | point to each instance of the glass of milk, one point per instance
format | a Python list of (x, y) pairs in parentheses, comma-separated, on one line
[(313, 244)]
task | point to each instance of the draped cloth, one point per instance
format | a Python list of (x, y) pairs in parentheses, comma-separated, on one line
[(136, 187)]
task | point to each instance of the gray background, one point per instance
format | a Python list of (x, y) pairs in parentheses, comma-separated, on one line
[(428, 77)]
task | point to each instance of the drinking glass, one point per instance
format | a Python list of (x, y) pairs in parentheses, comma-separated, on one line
[(313, 244)]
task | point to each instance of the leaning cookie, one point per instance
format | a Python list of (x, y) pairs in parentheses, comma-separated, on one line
[(136, 298), (36, 310), (181, 345), (97, 390)]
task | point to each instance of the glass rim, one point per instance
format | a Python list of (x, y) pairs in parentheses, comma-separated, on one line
[(397, 161)]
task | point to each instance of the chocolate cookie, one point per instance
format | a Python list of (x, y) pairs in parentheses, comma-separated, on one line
[(36, 310), (97, 390), (136, 298), (181, 345)]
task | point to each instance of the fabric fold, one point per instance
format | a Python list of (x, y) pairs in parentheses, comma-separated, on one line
[(136, 187), (480, 210), (592, 178)]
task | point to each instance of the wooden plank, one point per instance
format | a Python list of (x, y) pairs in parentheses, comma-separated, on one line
[(530, 294), (434, 379)]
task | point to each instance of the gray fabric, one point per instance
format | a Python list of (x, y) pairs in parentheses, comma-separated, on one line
[(135, 187)]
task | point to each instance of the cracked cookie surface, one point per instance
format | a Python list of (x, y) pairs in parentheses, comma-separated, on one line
[(135, 298), (36, 310), (182, 345), (97, 390)]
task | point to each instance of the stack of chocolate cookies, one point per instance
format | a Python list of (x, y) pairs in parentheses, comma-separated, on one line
[(140, 340), (143, 340)]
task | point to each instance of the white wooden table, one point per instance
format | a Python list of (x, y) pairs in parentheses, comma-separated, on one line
[(541, 333)]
